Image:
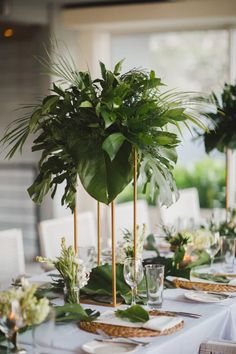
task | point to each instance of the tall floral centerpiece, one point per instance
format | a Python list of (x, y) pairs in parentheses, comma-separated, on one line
[(106, 132), (222, 132)]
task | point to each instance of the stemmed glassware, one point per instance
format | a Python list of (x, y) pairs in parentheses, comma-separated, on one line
[(10, 324), (213, 247), (87, 254), (133, 274)]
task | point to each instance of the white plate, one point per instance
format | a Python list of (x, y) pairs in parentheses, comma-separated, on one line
[(96, 347), (203, 297)]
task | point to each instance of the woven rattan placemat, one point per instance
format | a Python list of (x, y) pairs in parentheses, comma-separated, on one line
[(123, 331), (193, 285)]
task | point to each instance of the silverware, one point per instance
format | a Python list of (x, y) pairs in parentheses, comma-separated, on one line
[(124, 339), (125, 342), (185, 314), (216, 293)]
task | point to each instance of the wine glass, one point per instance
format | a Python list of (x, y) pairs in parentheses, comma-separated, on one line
[(133, 274), (213, 247), (87, 255), (10, 324)]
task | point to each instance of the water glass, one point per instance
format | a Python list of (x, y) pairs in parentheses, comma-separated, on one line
[(228, 253), (154, 274)]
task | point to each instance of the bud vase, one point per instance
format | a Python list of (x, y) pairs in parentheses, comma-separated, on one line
[(71, 294), (13, 339)]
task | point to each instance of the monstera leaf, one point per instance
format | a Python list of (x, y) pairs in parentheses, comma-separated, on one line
[(102, 178)]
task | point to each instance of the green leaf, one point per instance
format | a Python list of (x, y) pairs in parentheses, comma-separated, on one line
[(135, 313), (118, 67), (103, 70), (35, 119), (108, 116), (102, 178), (85, 104), (112, 144), (166, 138), (175, 114), (48, 103), (73, 313)]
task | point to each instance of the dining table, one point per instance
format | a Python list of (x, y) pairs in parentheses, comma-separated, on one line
[(217, 322)]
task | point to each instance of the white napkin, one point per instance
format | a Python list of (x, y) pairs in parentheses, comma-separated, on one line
[(162, 323), (232, 282), (156, 323)]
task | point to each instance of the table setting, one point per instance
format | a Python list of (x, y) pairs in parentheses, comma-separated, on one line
[(110, 132)]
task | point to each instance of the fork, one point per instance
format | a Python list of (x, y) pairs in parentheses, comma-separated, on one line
[(221, 294), (127, 340)]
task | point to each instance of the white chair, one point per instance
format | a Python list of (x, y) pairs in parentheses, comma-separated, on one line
[(12, 261), (186, 209), (218, 347), (51, 232), (124, 217)]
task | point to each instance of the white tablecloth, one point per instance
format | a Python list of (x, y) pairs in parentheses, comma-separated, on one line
[(218, 321)]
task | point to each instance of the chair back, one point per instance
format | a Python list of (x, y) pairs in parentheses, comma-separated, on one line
[(186, 209), (51, 232), (124, 217), (12, 260)]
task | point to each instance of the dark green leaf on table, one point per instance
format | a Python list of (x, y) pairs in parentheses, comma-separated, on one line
[(74, 313), (135, 313)]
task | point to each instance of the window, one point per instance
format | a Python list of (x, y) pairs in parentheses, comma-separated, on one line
[(188, 61)]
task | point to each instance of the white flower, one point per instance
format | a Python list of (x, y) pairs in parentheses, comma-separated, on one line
[(200, 239), (82, 274), (126, 248)]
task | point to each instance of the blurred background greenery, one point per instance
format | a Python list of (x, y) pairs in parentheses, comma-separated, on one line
[(207, 175)]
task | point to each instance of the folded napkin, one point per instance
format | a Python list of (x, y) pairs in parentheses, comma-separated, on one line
[(232, 282), (156, 323)]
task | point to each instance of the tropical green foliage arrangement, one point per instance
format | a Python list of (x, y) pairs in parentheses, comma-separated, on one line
[(90, 128), (222, 134)]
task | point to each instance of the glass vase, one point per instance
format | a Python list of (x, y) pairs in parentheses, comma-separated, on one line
[(71, 294), (13, 339)]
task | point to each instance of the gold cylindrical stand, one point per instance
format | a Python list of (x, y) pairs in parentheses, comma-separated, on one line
[(135, 201), (75, 231), (113, 253), (227, 174), (98, 234)]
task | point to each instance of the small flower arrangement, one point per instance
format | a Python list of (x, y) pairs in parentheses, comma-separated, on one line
[(199, 239), (72, 270), (33, 310), (125, 249)]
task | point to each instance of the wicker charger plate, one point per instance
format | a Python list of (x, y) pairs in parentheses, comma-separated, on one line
[(123, 331), (193, 285)]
